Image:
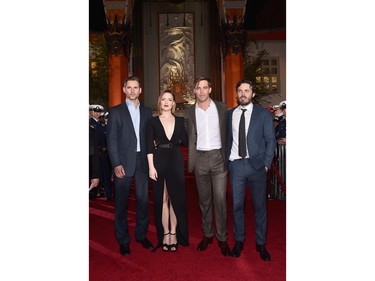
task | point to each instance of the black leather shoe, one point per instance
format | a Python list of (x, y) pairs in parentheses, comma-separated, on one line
[(145, 243), (204, 243), (238, 247), (124, 249), (225, 251), (264, 255)]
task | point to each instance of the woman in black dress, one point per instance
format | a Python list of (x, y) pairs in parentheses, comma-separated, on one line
[(166, 133)]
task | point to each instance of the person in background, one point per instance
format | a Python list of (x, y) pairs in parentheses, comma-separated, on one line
[(112, 175), (250, 150), (277, 114), (106, 118), (105, 165), (94, 163), (166, 133), (205, 123), (280, 129), (101, 118), (126, 140)]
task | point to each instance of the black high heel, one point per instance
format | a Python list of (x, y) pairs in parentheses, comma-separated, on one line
[(166, 247), (173, 247)]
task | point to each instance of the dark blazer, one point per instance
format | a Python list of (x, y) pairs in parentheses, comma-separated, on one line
[(121, 138), (260, 137), (93, 141), (191, 129), (94, 161)]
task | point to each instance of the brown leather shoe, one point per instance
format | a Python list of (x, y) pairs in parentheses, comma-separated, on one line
[(223, 245), (204, 243)]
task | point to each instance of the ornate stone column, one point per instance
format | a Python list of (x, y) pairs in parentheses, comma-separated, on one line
[(233, 44), (119, 43)]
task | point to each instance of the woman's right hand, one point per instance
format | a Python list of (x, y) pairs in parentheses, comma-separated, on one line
[(153, 174)]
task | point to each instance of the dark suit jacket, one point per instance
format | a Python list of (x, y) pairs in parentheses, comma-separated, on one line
[(260, 137), (94, 161), (121, 138), (191, 129)]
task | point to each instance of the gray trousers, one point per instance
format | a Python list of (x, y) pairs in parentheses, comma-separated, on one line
[(211, 179)]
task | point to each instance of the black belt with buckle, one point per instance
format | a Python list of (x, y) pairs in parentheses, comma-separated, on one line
[(167, 145)]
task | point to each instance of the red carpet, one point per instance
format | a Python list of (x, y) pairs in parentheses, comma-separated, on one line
[(106, 263)]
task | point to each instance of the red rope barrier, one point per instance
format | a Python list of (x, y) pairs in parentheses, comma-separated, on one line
[(279, 177)]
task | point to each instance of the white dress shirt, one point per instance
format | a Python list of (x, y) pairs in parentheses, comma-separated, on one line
[(208, 128), (235, 126)]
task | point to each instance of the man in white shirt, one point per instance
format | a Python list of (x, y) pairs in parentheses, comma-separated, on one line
[(205, 124)]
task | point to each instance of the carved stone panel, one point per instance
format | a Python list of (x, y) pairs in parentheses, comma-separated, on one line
[(176, 55)]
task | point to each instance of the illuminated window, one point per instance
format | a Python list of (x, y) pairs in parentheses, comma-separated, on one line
[(270, 67)]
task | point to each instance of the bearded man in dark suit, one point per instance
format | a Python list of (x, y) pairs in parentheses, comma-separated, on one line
[(249, 158)]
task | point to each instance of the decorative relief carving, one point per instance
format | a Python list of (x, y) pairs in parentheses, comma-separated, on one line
[(233, 37), (118, 38), (176, 45)]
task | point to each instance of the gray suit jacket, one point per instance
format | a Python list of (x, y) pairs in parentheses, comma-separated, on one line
[(191, 129), (121, 138), (261, 140)]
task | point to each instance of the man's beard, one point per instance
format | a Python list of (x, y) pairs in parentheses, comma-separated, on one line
[(244, 102)]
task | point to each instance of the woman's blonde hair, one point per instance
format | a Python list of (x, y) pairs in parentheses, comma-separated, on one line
[(174, 101)]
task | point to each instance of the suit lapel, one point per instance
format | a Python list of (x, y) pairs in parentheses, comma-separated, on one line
[(221, 112), (142, 120), (253, 121), (192, 116), (230, 118)]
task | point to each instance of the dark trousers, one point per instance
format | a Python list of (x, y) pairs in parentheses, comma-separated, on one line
[(211, 179), (122, 190), (243, 174)]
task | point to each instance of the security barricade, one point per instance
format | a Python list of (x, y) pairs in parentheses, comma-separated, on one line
[(277, 174)]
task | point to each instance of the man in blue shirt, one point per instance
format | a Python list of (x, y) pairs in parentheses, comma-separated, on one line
[(126, 140)]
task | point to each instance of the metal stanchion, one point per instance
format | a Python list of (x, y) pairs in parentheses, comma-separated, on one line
[(281, 166), (278, 174), (272, 184)]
